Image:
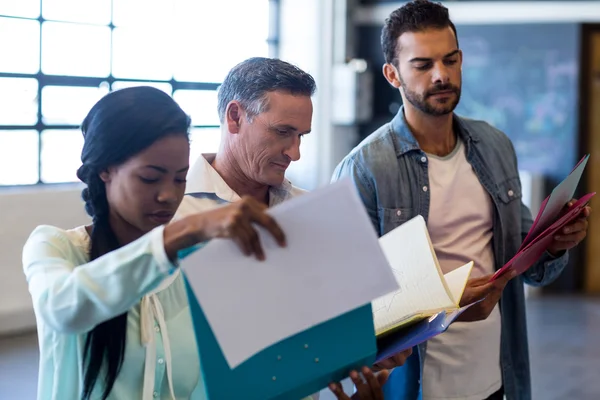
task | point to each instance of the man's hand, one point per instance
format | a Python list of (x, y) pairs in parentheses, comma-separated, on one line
[(572, 234), (482, 288), (368, 389), (397, 360)]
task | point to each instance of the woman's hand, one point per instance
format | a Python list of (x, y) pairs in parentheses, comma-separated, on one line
[(368, 389), (234, 221)]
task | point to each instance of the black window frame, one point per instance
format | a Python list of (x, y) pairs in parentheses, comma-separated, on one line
[(95, 82)]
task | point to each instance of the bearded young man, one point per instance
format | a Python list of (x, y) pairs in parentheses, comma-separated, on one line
[(461, 175)]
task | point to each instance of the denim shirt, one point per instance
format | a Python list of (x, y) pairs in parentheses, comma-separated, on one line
[(390, 172)]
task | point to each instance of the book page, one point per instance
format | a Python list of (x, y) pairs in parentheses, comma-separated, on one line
[(422, 288), (457, 280)]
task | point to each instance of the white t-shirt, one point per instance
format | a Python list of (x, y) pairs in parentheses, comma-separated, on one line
[(464, 362)]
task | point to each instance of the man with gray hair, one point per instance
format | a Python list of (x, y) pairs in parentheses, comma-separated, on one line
[(265, 109)]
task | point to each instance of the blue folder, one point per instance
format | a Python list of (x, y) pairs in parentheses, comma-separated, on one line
[(407, 338), (293, 368)]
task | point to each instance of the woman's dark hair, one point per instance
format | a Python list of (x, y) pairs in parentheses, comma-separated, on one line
[(119, 126)]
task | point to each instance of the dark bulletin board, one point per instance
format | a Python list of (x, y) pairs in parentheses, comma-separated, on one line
[(524, 79)]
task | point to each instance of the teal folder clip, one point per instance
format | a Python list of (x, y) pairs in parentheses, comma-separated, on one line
[(292, 369)]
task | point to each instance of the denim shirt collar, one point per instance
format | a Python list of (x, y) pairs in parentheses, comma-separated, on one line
[(406, 142)]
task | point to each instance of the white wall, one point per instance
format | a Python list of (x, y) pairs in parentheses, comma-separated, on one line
[(304, 33), (310, 38), (21, 211)]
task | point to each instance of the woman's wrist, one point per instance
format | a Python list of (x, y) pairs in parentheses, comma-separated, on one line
[(182, 234)]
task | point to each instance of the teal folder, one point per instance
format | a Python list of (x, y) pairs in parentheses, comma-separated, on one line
[(293, 368)]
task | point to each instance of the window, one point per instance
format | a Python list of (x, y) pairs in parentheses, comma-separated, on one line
[(18, 101), (70, 53), (204, 140)]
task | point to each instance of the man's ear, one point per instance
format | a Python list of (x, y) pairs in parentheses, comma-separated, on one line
[(233, 116), (392, 75)]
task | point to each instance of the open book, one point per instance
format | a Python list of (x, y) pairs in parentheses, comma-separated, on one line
[(424, 289)]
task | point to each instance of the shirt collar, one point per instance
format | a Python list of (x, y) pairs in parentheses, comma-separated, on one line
[(203, 178), (407, 141)]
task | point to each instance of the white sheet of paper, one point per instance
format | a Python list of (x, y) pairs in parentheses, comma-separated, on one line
[(421, 284), (560, 196), (332, 264)]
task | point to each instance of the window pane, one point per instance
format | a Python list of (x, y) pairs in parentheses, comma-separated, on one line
[(165, 87), (193, 66), (242, 14), (75, 50), (18, 157), (69, 105), (144, 12), (61, 155), (201, 105), (18, 101), (88, 11), (199, 60), (22, 53), (142, 54), (203, 140), (20, 8)]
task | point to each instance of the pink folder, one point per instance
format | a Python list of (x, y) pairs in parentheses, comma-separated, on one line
[(551, 218)]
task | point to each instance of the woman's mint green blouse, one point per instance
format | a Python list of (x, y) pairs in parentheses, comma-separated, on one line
[(71, 295)]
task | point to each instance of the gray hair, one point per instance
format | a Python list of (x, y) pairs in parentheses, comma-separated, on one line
[(250, 81)]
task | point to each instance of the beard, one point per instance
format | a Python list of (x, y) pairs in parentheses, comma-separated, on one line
[(433, 107)]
